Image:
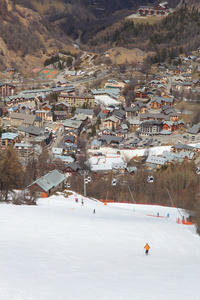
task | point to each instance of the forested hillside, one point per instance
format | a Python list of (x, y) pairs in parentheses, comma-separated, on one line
[(179, 30), (30, 27)]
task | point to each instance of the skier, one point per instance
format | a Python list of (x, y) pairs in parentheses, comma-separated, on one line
[(94, 211), (146, 247)]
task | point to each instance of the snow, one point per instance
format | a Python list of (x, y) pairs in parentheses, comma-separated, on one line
[(105, 100), (107, 162), (134, 153), (60, 250)]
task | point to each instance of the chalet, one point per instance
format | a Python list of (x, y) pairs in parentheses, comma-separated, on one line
[(160, 9), (108, 139), (139, 95), (154, 84), (153, 116), (134, 123), (119, 114), (83, 118), (73, 124), (72, 168), (45, 115), (63, 106), (70, 139), (158, 102), (62, 160), (140, 105), (132, 111), (193, 133), (111, 122), (156, 160), (105, 131), (95, 144), (122, 133), (181, 147), (182, 86), (171, 157), (72, 132), (60, 115), (170, 125), (31, 130), (88, 112), (46, 107), (9, 138), (48, 184)]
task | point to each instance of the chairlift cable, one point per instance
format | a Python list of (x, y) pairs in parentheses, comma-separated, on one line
[(131, 194), (173, 202)]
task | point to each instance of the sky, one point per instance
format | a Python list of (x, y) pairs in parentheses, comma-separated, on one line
[(62, 250)]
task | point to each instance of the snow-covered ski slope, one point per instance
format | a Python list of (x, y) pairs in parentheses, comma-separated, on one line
[(61, 250)]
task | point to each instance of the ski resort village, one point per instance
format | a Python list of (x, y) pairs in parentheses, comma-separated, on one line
[(100, 181)]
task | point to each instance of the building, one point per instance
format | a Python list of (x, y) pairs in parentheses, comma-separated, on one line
[(6, 90), (48, 184), (111, 122), (77, 101), (151, 127), (45, 115), (9, 138), (73, 124), (23, 149), (20, 119)]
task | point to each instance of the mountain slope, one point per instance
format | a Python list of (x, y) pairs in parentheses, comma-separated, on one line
[(25, 37), (62, 250), (178, 29)]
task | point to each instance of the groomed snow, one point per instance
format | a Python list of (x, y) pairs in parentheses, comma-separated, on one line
[(60, 250)]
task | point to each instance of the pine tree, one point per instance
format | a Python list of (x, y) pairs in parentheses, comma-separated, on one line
[(11, 172)]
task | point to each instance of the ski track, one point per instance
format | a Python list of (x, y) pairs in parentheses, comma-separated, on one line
[(61, 250)]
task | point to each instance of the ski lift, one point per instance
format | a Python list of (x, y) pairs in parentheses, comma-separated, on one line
[(68, 185), (198, 170), (114, 182), (150, 179), (86, 181), (89, 179)]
